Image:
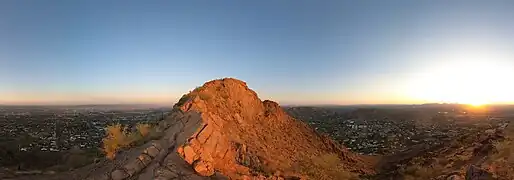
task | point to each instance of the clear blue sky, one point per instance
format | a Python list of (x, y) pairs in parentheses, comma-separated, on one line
[(307, 52)]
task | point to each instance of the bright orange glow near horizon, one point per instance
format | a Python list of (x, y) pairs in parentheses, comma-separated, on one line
[(477, 105), (470, 75)]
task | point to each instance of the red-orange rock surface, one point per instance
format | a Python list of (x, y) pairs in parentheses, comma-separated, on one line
[(242, 136)]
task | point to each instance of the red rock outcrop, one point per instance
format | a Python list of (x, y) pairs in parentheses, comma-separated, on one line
[(242, 136)]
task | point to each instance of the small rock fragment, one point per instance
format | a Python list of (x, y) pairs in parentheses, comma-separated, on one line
[(152, 151)]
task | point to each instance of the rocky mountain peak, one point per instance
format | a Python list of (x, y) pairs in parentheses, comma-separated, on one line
[(244, 136)]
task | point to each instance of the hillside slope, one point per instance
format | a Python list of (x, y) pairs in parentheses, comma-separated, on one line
[(243, 136), (222, 130)]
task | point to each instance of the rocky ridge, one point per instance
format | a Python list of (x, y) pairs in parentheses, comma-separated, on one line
[(242, 136), (222, 130)]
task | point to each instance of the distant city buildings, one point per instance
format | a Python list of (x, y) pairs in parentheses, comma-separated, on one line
[(60, 129), (373, 132)]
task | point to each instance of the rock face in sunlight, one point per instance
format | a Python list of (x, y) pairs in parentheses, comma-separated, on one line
[(241, 136)]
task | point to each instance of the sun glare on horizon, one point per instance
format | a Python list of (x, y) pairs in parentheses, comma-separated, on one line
[(477, 104), (469, 78)]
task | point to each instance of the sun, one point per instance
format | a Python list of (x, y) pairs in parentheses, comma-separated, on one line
[(476, 101), (476, 104)]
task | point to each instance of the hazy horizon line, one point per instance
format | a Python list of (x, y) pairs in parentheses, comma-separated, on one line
[(285, 104)]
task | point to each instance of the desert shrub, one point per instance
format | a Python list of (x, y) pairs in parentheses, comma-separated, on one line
[(114, 140), (327, 166), (143, 129), (119, 137), (182, 100), (502, 160), (417, 172), (199, 88), (504, 148)]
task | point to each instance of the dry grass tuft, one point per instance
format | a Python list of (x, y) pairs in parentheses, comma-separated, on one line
[(417, 172), (501, 162), (143, 129), (119, 137), (325, 167)]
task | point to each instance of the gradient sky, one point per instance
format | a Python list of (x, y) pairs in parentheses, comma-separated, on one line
[(301, 52)]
